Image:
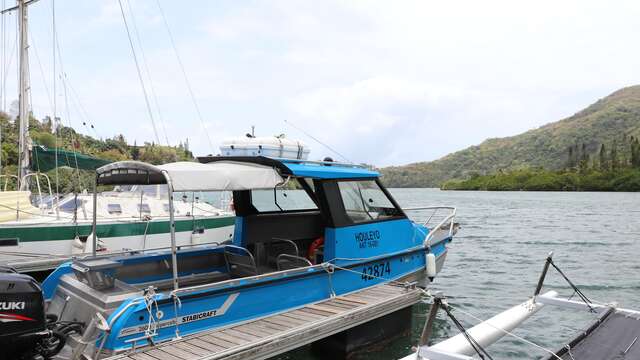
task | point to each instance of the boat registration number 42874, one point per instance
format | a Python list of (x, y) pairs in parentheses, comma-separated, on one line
[(380, 270)]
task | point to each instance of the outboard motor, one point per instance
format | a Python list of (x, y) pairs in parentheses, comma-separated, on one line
[(25, 331)]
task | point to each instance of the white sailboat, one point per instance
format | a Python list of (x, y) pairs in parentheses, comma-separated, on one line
[(128, 219)]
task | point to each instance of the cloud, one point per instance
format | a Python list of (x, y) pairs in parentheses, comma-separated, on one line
[(382, 83)]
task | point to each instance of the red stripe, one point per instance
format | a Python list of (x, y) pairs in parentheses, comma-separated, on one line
[(16, 317)]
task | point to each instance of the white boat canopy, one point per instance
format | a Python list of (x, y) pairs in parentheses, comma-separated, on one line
[(192, 176)]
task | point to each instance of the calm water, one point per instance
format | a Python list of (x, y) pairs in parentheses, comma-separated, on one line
[(495, 260)]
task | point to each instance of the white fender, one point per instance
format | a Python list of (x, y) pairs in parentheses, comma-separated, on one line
[(432, 270)]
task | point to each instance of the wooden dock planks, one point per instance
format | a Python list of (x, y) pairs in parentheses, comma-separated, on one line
[(272, 335)]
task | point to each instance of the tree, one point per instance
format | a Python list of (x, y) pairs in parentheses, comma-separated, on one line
[(635, 153), (584, 158), (604, 166), (613, 156), (135, 151), (571, 158)]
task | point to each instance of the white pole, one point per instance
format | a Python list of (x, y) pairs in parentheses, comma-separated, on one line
[(94, 236), (23, 155), (172, 229)]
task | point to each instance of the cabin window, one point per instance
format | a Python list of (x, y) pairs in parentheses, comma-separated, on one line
[(364, 201), (291, 197), (71, 205), (144, 209), (114, 209)]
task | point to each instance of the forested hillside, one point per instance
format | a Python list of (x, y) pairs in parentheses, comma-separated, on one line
[(605, 122), (69, 179)]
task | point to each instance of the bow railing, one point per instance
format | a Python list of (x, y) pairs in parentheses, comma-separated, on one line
[(443, 218)]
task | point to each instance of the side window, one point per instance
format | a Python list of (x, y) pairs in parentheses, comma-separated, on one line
[(365, 201), (289, 198), (71, 205), (144, 209), (114, 209)]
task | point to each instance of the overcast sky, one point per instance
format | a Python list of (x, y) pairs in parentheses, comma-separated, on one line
[(383, 82)]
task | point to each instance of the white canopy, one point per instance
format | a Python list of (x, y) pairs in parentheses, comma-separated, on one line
[(191, 176), (221, 176)]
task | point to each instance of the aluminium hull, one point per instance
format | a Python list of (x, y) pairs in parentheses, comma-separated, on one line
[(236, 301)]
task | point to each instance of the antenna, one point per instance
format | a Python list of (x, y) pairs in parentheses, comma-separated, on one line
[(318, 141)]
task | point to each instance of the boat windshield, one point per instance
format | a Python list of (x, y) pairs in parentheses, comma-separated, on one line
[(364, 200)]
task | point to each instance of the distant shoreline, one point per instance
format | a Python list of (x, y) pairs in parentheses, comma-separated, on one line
[(619, 180)]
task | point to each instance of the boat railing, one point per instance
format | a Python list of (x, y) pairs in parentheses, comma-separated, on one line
[(6, 180), (140, 251), (37, 176), (442, 216)]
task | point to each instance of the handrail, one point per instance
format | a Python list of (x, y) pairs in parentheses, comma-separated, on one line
[(316, 162), (449, 218), (6, 181), (132, 252), (37, 177)]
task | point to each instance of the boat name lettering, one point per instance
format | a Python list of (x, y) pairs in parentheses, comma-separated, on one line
[(367, 239)]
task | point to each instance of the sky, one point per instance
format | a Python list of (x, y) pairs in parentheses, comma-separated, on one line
[(386, 83)]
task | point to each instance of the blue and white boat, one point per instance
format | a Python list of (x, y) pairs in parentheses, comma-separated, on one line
[(304, 232)]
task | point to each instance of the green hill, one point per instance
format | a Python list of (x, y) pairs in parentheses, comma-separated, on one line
[(603, 122), (42, 132)]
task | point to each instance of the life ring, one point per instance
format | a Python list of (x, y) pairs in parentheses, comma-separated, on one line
[(315, 245)]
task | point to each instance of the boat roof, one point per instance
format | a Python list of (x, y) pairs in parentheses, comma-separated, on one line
[(302, 168), (192, 176)]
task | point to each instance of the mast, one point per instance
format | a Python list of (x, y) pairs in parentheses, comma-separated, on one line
[(23, 99)]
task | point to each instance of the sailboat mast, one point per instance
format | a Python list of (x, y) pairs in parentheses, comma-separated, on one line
[(23, 99)]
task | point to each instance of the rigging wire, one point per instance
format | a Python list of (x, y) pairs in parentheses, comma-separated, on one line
[(84, 115), (474, 344), (54, 33), (7, 67), (184, 74), (44, 80), (146, 69), (318, 141), (135, 59), (2, 92), (63, 77)]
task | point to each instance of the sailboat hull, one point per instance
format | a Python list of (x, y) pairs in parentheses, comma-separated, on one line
[(66, 238)]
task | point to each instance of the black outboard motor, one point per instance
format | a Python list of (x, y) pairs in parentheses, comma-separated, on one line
[(25, 331)]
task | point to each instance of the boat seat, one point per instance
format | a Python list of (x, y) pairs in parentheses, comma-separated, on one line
[(287, 262), (275, 248), (240, 262)]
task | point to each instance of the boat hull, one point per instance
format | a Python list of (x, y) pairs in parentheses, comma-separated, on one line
[(236, 301), (60, 238)]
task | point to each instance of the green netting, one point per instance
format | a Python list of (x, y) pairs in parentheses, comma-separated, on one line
[(44, 159)]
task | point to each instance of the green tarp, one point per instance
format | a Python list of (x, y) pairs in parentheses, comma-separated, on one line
[(44, 159)]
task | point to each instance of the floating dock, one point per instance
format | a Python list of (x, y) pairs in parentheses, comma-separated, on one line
[(275, 334)]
